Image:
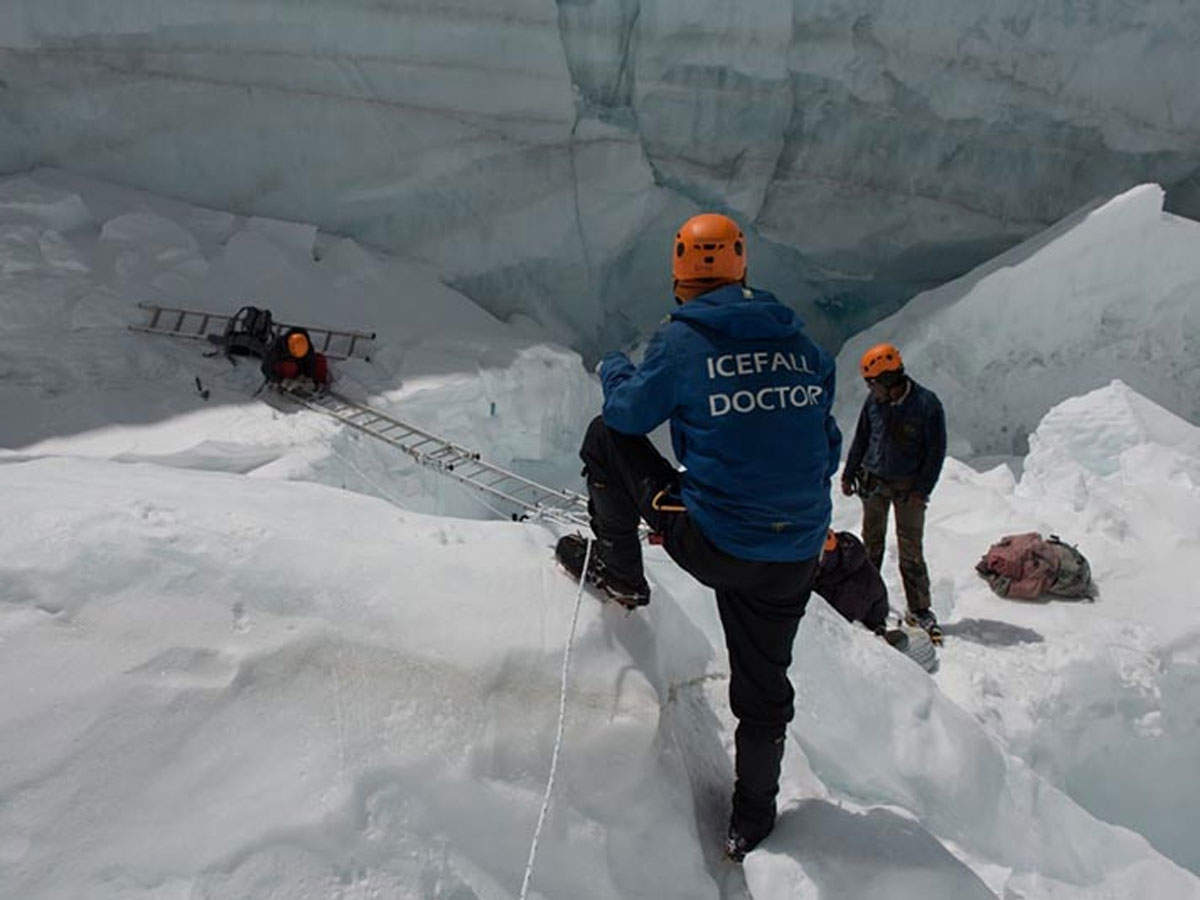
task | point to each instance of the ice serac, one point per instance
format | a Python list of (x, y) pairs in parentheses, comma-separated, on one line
[(1108, 292), (537, 152)]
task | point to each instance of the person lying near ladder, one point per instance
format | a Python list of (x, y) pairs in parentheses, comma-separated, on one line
[(749, 397)]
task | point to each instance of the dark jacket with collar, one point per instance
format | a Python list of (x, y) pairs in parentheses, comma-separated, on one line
[(902, 441)]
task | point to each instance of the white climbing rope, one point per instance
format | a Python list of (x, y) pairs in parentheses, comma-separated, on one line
[(562, 718)]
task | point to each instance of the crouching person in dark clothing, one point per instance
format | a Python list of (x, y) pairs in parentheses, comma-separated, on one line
[(853, 586), (850, 584), (291, 355), (748, 396)]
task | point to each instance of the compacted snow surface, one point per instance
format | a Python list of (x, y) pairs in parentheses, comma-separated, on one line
[(247, 655)]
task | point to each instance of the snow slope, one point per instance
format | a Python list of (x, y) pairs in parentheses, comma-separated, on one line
[(208, 699), (1112, 291), (75, 257), (245, 660)]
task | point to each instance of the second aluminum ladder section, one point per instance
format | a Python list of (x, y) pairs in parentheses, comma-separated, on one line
[(528, 498)]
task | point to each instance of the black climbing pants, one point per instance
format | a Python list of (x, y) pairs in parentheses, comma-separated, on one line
[(760, 604)]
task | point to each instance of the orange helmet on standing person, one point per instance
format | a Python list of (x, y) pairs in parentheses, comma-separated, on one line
[(709, 251), (879, 359)]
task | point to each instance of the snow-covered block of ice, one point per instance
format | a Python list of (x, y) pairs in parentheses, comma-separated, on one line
[(1095, 431), (877, 729), (297, 237), (147, 248), (1102, 454), (59, 253), (25, 199), (828, 850), (385, 707), (154, 235), (1109, 292)]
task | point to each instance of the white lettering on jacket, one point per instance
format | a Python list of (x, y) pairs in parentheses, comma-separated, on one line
[(768, 399), (730, 365)]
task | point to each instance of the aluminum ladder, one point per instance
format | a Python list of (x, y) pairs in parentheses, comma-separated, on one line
[(527, 499), (200, 325)]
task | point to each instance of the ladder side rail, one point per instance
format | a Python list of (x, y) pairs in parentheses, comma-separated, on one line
[(499, 494), (322, 336), (218, 322), (153, 307), (338, 332), (500, 470), (547, 500), (176, 334), (156, 326), (466, 451)]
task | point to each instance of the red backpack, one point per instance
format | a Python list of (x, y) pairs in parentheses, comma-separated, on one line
[(1024, 567)]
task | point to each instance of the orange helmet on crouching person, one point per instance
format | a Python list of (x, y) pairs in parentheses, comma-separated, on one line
[(830, 540), (880, 359), (298, 345), (709, 251)]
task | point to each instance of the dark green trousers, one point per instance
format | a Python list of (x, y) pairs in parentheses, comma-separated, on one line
[(910, 533)]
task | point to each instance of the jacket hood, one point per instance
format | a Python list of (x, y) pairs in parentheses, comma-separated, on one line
[(741, 313)]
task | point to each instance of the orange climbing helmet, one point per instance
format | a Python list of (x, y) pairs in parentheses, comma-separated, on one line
[(710, 247), (879, 359), (830, 541), (297, 344)]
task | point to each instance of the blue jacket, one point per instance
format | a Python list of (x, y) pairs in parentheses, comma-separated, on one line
[(749, 397), (901, 441)]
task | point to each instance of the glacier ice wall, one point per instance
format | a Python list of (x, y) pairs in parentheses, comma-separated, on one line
[(538, 152)]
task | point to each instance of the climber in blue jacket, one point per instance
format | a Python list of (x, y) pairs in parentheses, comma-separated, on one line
[(749, 397)]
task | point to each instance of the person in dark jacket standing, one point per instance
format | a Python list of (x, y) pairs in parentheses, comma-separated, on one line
[(749, 398), (894, 462)]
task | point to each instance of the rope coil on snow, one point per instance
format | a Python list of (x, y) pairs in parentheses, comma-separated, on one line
[(562, 718)]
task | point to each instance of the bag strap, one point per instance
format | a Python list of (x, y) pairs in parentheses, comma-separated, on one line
[(662, 503)]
